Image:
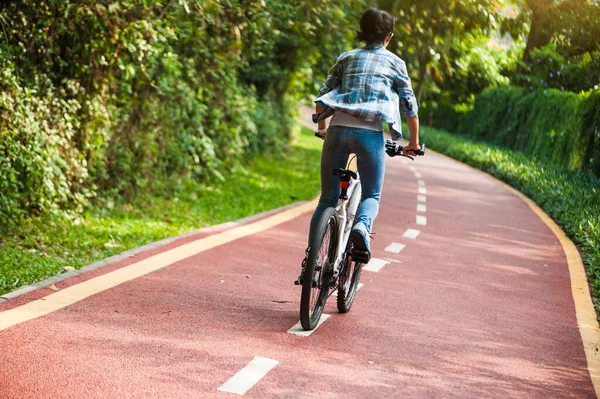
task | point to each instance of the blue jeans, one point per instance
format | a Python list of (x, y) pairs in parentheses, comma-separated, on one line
[(368, 145)]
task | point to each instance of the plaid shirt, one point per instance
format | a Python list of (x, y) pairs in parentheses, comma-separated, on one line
[(370, 83)]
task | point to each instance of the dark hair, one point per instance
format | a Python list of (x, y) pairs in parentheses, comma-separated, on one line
[(375, 26)]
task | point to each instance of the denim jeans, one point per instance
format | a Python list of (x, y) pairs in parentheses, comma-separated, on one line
[(368, 145)]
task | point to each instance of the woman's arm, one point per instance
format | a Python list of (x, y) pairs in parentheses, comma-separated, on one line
[(408, 103), (323, 123), (413, 127), (334, 79)]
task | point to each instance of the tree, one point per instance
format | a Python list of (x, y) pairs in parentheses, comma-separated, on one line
[(427, 30), (574, 25)]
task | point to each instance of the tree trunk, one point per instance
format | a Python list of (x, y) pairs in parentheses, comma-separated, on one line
[(539, 32)]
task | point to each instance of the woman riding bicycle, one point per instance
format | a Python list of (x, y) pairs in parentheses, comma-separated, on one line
[(366, 86)]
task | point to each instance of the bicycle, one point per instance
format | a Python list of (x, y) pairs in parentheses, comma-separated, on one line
[(329, 263)]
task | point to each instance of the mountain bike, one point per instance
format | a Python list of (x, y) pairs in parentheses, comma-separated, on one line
[(329, 264)]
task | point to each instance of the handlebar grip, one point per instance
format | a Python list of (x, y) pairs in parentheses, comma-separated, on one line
[(319, 136), (421, 151)]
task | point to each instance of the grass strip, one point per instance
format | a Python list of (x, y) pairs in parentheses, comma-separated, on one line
[(42, 247), (570, 197)]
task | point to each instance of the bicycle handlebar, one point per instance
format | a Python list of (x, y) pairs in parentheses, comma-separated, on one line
[(393, 149)]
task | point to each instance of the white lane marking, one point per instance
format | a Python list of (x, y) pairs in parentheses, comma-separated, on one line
[(247, 377), (412, 168), (421, 183), (375, 265), (421, 198), (421, 220), (422, 190), (421, 208), (299, 331), (411, 233), (360, 285), (392, 260), (418, 175), (395, 247)]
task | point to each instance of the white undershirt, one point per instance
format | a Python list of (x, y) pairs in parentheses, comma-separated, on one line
[(343, 119)]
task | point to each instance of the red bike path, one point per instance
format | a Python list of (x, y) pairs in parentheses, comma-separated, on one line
[(479, 304)]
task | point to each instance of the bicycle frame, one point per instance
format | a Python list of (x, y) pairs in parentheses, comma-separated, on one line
[(346, 211)]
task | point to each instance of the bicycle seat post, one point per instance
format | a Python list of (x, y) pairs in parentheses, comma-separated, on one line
[(346, 177)]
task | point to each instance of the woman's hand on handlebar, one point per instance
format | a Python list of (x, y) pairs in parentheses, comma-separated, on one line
[(412, 149), (393, 149)]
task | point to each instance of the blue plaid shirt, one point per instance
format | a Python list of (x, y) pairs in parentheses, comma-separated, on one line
[(370, 83)]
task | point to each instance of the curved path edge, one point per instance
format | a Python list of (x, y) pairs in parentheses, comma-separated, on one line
[(135, 251), (584, 308), (587, 320)]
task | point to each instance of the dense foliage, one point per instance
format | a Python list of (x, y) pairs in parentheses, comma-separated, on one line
[(573, 25), (570, 197), (117, 96), (559, 127), (551, 68), (561, 43), (431, 35)]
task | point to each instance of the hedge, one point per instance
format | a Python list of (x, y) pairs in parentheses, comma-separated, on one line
[(561, 128)]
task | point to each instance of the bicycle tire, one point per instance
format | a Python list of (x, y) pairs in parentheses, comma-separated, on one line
[(348, 283), (315, 288)]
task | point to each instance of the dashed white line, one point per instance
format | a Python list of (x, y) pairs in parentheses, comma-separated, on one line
[(360, 285), (421, 198), (247, 377), (422, 190), (421, 183), (395, 247), (421, 208), (412, 168), (418, 175), (375, 265), (421, 220), (299, 331), (411, 233)]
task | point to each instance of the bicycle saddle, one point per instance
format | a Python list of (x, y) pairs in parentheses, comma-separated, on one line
[(345, 174)]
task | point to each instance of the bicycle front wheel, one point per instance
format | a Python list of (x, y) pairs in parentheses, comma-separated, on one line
[(319, 266)]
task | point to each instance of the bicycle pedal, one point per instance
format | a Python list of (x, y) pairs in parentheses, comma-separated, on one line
[(361, 256), (298, 282)]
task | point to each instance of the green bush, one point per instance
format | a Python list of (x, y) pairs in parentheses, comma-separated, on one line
[(558, 127), (113, 97), (550, 68), (570, 197), (590, 131)]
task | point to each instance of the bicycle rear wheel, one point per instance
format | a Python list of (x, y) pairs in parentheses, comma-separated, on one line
[(321, 255), (348, 283)]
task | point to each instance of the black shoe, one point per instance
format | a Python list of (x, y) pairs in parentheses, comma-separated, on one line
[(360, 241), (304, 261)]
